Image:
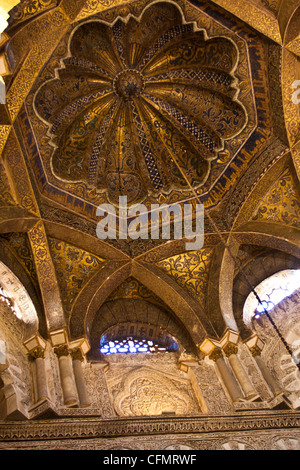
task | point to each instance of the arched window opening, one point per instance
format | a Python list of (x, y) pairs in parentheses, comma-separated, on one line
[(271, 292), (5, 298), (15, 295), (136, 338), (134, 345)]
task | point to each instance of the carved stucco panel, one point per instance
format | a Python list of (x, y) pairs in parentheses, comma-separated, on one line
[(144, 385), (211, 389), (97, 389), (149, 392)]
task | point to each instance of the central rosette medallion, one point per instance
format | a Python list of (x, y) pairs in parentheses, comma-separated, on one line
[(139, 107), (128, 84)]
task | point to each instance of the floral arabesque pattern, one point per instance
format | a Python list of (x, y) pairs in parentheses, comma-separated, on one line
[(141, 107)]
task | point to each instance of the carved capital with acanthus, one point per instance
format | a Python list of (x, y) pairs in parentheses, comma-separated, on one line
[(77, 355), (62, 350), (216, 354), (255, 351), (36, 353), (230, 349)]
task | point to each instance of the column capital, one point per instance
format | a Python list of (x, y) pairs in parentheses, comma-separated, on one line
[(36, 353), (230, 337), (230, 349), (216, 354), (255, 351), (81, 344), (76, 354), (61, 350), (207, 346)]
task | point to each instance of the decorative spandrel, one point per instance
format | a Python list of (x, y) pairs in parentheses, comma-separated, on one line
[(143, 106)]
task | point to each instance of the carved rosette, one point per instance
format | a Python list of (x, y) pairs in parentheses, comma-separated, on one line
[(150, 103)]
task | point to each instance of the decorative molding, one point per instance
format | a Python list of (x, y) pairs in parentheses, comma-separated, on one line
[(97, 427)]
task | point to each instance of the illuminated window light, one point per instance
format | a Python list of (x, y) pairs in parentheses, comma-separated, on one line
[(271, 292), (6, 299), (133, 345)]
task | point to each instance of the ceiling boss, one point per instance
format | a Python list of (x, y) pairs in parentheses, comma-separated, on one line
[(141, 107)]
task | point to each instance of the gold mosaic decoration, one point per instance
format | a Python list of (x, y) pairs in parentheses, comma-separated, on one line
[(281, 204), (261, 20), (74, 267), (6, 198), (29, 8), (136, 115), (151, 102), (133, 289), (18, 244), (35, 59), (4, 133), (15, 167), (272, 5), (46, 276), (191, 271)]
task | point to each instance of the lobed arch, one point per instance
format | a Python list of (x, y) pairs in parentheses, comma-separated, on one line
[(270, 235)]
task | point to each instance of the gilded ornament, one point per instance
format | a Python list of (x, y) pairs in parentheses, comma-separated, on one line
[(74, 267), (255, 351), (76, 355), (216, 354), (46, 276), (151, 103), (36, 353), (230, 349), (61, 351), (191, 271), (281, 204)]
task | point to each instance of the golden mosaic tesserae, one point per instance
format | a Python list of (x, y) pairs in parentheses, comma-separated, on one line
[(144, 342), (148, 99)]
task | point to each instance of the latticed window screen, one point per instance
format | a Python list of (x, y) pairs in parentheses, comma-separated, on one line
[(134, 345), (271, 292)]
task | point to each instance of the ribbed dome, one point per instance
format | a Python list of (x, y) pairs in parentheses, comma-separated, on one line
[(138, 103)]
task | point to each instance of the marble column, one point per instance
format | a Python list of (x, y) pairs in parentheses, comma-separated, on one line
[(77, 359), (2, 355), (272, 384), (227, 376), (231, 351), (66, 376), (40, 376)]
